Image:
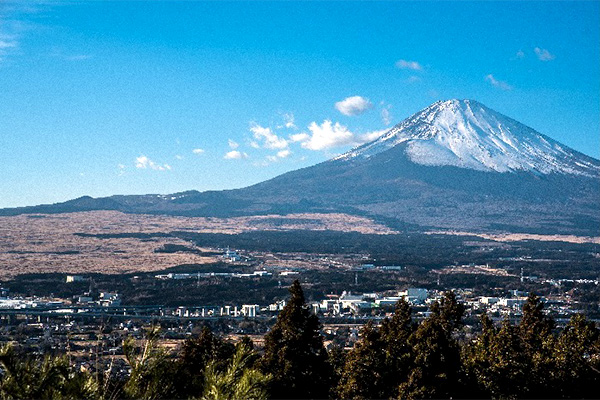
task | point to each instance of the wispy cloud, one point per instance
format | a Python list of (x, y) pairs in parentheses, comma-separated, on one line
[(235, 155), (198, 151), (497, 83), (354, 105), (406, 64), (289, 121), (8, 43), (543, 54), (15, 23), (232, 144), (266, 136), (520, 54), (143, 162), (386, 115)]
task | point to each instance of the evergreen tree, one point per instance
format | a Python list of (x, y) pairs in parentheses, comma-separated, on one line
[(496, 363), (364, 375), (239, 380), (337, 359), (577, 359), (153, 374), (294, 352), (437, 368), (46, 378), (395, 334), (196, 354), (538, 342)]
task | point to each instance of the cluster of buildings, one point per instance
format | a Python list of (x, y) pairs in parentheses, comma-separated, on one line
[(204, 275)]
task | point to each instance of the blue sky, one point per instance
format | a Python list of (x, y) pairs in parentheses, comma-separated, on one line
[(101, 98)]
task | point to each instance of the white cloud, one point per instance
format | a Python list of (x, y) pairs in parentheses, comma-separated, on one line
[(254, 145), (299, 137), (405, 64), (235, 155), (543, 54), (289, 121), (268, 138), (327, 135), (354, 105), (233, 144), (121, 169), (179, 157), (143, 162), (499, 84), (284, 153), (369, 136), (198, 151), (386, 116)]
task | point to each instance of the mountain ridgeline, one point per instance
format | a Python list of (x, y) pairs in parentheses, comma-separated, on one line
[(454, 165)]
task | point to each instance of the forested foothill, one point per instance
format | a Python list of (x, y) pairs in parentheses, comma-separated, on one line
[(397, 358)]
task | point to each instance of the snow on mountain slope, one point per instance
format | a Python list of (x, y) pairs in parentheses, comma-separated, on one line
[(467, 134)]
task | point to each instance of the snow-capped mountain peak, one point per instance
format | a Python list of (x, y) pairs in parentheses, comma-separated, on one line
[(467, 134)]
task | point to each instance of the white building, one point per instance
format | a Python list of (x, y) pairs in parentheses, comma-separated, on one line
[(250, 310)]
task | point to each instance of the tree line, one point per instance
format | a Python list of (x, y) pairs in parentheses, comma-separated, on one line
[(400, 358)]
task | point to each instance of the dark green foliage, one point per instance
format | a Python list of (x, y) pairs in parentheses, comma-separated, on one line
[(495, 362), (576, 360), (395, 334), (436, 371), (381, 360), (294, 352), (196, 354), (152, 372), (240, 379), (42, 378), (537, 340), (397, 359), (529, 361), (365, 370)]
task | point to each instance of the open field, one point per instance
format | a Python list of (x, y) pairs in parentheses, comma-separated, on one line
[(53, 242), (517, 237)]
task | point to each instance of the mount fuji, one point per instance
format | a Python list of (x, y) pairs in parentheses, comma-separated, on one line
[(455, 165)]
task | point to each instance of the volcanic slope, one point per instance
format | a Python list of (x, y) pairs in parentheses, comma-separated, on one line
[(454, 165)]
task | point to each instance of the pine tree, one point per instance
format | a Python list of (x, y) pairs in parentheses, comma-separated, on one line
[(437, 367), (152, 372), (196, 354), (495, 362), (577, 359), (365, 371), (294, 352), (395, 334), (535, 330), (238, 380)]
